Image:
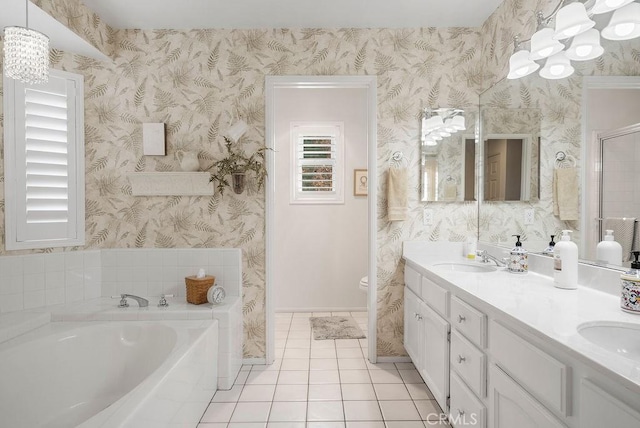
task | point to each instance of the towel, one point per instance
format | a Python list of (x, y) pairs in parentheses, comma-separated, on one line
[(623, 232), (450, 191), (565, 193), (397, 194)]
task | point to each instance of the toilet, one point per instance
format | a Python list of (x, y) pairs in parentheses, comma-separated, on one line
[(364, 284)]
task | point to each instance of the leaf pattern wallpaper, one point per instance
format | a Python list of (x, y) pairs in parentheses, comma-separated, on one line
[(198, 81)]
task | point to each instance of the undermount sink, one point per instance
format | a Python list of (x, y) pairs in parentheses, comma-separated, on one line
[(464, 267), (620, 338)]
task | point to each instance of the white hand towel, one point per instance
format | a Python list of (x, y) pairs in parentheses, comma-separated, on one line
[(623, 231), (565, 193), (397, 209)]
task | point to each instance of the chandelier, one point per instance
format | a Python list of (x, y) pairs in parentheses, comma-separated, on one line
[(441, 123), (573, 38), (26, 53)]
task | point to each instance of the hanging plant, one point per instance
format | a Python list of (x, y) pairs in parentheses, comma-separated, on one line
[(236, 165)]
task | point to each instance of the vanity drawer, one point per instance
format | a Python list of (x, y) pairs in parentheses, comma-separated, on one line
[(539, 373), (469, 321), (435, 296), (464, 408), (469, 362), (412, 280)]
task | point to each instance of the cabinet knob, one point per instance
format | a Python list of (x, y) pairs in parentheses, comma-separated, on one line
[(460, 412), (461, 319), (461, 359), (419, 317)]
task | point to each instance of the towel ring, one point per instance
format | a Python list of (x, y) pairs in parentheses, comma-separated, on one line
[(398, 160), (564, 161)]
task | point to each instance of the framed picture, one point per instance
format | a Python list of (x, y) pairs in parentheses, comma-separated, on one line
[(360, 182)]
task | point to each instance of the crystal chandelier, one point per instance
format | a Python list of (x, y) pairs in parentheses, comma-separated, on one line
[(26, 53), (574, 38)]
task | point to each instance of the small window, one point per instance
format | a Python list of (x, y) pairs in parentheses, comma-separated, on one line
[(317, 159), (44, 162)]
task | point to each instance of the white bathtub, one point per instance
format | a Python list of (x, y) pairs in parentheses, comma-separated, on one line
[(109, 374)]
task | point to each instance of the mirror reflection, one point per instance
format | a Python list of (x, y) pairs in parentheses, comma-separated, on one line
[(448, 164)]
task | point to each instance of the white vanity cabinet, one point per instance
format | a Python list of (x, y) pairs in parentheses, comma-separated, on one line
[(600, 409)]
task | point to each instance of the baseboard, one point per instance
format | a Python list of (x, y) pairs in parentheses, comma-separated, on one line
[(393, 359), (358, 309), (254, 361)]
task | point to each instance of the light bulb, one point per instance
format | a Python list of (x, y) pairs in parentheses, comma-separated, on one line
[(623, 30), (624, 23)]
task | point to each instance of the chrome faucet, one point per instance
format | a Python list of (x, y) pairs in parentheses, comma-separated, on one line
[(142, 302), (485, 257)]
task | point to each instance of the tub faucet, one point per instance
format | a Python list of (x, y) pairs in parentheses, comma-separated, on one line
[(142, 302), (485, 257)]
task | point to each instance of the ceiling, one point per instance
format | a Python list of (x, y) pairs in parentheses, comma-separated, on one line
[(190, 14)]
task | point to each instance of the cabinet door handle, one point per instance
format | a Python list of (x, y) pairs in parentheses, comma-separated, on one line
[(461, 319), (461, 359)]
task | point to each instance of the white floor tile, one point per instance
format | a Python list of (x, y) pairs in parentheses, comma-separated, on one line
[(245, 425), (218, 412), (405, 424), (251, 412), (324, 364), (242, 378), (366, 424), (262, 367), (323, 353), (323, 344), (323, 376), (428, 410), (291, 392), (419, 391), (358, 392), (405, 366), (293, 377), (294, 364), (279, 352), (325, 411), (326, 424), (296, 353), (349, 353), (298, 344), (288, 411), (391, 391), (362, 411), (363, 343), (352, 364), (410, 376), (284, 425), (213, 425), (299, 332), (380, 366), (257, 393), (347, 343), (355, 376), (385, 376), (268, 377), (399, 410), (327, 392), (230, 396)]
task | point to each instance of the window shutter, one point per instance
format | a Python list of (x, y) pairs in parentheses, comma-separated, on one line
[(47, 168)]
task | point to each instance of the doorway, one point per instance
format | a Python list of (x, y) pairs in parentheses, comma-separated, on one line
[(295, 86)]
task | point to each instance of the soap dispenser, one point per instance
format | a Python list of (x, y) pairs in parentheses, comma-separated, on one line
[(609, 251), (518, 259), (565, 263), (549, 250), (630, 298)]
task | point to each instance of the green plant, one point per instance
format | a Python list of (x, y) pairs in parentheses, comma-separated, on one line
[(237, 162)]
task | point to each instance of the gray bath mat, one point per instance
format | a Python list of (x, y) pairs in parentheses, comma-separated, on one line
[(335, 328)]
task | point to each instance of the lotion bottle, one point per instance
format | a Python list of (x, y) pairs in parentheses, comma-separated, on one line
[(630, 297), (609, 251), (518, 258), (565, 263)]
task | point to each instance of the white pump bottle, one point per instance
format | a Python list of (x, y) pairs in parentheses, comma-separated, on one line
[(609, 251), (565, 263)]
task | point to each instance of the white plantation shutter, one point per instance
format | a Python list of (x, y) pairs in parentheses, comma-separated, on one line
[(317, 159), (44, 169)]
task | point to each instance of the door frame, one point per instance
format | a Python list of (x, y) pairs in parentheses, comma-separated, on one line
[(272, 84)]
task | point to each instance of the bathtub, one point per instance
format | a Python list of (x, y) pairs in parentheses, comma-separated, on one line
[(109, 374)]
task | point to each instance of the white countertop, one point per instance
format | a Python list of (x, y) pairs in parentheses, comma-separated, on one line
[(536, 305)]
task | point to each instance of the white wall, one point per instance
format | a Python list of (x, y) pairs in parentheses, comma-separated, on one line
[(320, 250)]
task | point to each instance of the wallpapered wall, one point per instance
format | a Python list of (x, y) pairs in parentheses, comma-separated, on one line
[(195, 81)]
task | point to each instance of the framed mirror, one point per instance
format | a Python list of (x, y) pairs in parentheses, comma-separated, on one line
[(448, 155)]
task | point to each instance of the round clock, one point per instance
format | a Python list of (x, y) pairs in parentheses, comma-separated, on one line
[(216, 294)]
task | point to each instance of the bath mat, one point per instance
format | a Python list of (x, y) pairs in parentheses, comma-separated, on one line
[(325, 328)]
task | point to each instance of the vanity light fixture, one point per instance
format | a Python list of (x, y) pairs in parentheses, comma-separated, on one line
[(441, 123), (573, 38), (26, 53)]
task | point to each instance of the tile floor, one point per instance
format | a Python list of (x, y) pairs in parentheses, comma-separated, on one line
[(323, 384)]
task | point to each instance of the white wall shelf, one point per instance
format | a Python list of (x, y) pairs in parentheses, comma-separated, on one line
[(170, 183)]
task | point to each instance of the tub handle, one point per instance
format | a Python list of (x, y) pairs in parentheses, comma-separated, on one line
[(123, 300), (163, 301)]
